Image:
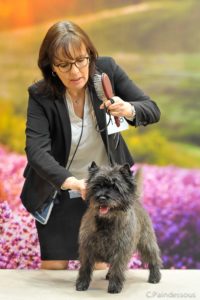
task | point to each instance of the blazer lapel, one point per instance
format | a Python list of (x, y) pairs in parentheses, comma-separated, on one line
[(100, 114), (65, 121)]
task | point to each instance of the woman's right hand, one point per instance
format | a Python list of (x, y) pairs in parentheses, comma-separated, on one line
[(81, 184), (73, 183)]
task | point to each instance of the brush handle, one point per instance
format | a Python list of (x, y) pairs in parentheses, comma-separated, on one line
[(108, 91)]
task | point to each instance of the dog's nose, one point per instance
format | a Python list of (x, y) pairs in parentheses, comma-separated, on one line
[(102, 198)]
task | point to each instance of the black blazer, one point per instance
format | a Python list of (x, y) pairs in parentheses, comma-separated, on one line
[(48, 133)]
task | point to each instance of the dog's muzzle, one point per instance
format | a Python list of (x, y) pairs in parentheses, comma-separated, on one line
[(102, 207)]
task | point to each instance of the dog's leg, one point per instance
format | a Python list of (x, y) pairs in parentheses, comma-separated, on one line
[(150, 255), (85, 274), (154, 273), (150, 252), (116, 276), (108, 275)]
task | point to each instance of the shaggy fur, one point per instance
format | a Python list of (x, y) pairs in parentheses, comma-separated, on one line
[(114, 226)]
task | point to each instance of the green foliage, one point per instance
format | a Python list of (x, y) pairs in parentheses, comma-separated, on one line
[(161, 27), (12, 128), (157, 46), (173, 81), (152, 147)]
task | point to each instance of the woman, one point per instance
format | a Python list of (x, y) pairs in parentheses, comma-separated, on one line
[(66, 130)]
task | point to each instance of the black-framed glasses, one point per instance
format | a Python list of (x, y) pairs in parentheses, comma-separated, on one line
[(80, 63)]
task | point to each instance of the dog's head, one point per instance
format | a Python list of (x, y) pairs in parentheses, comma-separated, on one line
[(110, 189)]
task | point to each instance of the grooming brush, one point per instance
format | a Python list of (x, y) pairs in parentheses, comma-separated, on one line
[(104, 90)]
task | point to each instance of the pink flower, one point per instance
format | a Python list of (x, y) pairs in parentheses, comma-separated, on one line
[(170, 195)]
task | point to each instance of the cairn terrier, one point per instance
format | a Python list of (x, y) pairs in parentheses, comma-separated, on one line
[(114, 227)]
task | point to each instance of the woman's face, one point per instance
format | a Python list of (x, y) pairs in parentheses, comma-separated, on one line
[(73, 76)]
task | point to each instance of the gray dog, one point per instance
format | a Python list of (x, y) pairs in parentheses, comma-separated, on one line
[(114, 226)]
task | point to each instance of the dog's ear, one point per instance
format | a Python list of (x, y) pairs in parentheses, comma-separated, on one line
[(93, 167), (125, 169)]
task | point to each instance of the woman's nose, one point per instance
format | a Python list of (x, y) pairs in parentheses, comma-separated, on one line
[(74, 69)]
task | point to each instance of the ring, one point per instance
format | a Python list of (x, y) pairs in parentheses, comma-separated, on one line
[(112, 100)]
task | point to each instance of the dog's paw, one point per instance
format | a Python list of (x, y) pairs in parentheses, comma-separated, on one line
[(114, 288), (155, 275), (82, 285)]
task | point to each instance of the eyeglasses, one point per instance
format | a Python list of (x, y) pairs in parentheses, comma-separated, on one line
[(80, 63)]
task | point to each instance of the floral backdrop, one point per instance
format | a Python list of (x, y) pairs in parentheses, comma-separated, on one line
[(170, 194)]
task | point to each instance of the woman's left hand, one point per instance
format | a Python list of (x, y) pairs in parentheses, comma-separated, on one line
[(119, 108)]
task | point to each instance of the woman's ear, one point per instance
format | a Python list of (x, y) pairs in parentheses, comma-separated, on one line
[(53, 72)]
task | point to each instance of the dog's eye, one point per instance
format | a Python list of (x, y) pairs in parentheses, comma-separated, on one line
[(114, 186), (98, 186)]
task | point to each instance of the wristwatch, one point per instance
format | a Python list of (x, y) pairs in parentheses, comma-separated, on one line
[(132, 117)]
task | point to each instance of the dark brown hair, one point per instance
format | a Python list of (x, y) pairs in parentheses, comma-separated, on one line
[(63, 35)]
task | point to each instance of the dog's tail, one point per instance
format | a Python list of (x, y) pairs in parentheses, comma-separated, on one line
[(139, 182)]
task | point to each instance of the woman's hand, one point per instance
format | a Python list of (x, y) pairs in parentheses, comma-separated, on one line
[(119, 108), (73, 183), (82, 188)]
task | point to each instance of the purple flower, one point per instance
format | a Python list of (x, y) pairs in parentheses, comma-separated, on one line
[(170, 195)]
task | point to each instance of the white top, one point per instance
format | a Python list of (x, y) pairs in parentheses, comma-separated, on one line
[(91, 147)]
